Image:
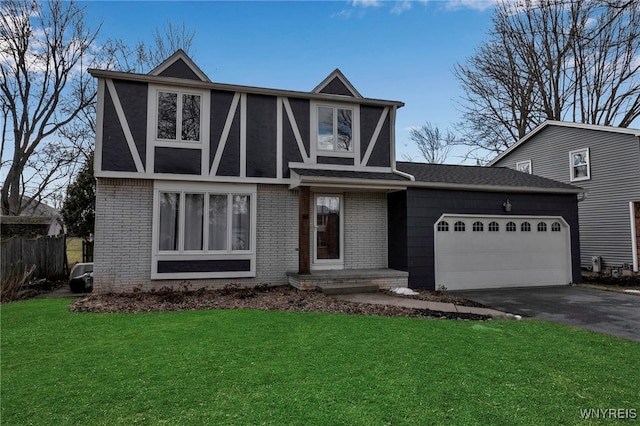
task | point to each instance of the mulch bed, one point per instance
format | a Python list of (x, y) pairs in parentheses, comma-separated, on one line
[(280, 298)]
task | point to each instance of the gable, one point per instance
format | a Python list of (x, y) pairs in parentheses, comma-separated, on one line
[(337, 84), (179, 65)]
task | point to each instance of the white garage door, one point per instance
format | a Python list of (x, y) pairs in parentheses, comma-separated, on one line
[(474, 252)]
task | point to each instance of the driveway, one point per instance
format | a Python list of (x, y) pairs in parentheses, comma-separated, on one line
[(617, 314)]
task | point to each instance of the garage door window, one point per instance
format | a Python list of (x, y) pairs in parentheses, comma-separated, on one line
[(459, 227), (478, 227), (494, 227), (511, 227), (525, 227), (443, 226), (542, 227), (555, 227)]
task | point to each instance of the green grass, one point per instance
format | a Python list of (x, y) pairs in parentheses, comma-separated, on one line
[(253, 367)]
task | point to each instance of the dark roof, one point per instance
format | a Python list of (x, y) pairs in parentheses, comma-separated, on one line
[(346, 174), (480, 176)]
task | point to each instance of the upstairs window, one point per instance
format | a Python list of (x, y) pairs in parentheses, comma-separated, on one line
[(335, 129), (178, 116), (524, 166), (580, 165)]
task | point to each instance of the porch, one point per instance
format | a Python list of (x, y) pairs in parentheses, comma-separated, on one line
[(346, 281)]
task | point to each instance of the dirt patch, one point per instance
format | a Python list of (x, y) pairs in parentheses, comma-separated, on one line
[(280, 298)]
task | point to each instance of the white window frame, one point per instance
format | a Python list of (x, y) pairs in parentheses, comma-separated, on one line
[(526, 165), (152, 113), (584, 151), (207, 189), (355, 130), (324, 264)]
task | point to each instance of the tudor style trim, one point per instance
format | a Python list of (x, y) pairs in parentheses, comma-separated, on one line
[(296, 130), (222, 143), (133, 150), (374, 137), (97, 152)]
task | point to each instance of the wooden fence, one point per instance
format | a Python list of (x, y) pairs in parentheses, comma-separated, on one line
[(46, 253)]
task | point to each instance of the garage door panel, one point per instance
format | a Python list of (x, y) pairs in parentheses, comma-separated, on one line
[(501, 258)]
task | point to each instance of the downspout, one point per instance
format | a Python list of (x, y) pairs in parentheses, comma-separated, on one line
[(393, 148)]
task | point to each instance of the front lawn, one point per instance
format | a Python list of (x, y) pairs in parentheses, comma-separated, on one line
[(259, 367)]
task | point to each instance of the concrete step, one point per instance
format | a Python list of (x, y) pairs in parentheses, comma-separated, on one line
[(333, 289)]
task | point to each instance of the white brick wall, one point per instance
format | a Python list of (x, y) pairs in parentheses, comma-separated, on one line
[(365, 234), (122, 254), (123, 232), (122, 251)]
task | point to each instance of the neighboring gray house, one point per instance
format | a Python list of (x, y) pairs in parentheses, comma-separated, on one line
[(214, 184), (603, 160), (36, 218)]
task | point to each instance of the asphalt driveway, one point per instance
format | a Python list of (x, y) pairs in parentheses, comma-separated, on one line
[(617, 314)]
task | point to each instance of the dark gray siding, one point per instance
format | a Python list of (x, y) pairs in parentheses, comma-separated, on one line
[(381, 155), (170, 266), (425, 206), (180, 69), (336, 87), (335, 160), (220, 105), (116, 155), (177, 161), (397, 230), (369, 116), (605, 223), (230, 160), (301, 110), (261, 136), (290, 150), (133, 98)]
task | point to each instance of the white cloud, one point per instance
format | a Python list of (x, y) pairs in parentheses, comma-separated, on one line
[(401, 6), (366, 3), (471, 4)]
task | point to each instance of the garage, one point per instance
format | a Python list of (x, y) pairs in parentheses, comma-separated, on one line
[(485, 251)]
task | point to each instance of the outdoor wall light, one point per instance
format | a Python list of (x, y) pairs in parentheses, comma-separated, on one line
[(507, 206)]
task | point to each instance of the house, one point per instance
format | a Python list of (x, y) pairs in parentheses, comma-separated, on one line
[(36, 219), (603, 160), (210, 184)]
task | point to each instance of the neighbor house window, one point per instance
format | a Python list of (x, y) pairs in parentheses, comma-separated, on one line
[(525, 227), (555, 227), (580, 165), (478, 227), (178, 116), (524, 166), (335, 129), (204, 222), (443, 226), (459, 226), (511, 227), (494, 227), (542, 227)]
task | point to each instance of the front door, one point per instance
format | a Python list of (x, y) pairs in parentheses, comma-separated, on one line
[(328, 232)]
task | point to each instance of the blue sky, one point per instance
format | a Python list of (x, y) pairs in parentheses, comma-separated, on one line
[(397, 50)]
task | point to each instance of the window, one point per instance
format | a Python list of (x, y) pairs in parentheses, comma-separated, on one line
[(335, 129), (494, 227), (555, 227), (580, 165), (511, 227), (184, 226), (459, 227), (524, 166), (542, 227), (178, 116), (478, 227), (525, 227), (443, 226)]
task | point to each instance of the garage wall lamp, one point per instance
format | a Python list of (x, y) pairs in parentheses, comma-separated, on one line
[(507, 206)]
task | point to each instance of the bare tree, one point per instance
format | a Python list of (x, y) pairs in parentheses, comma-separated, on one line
[(433, 145), (43, 89), (574, 60)]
